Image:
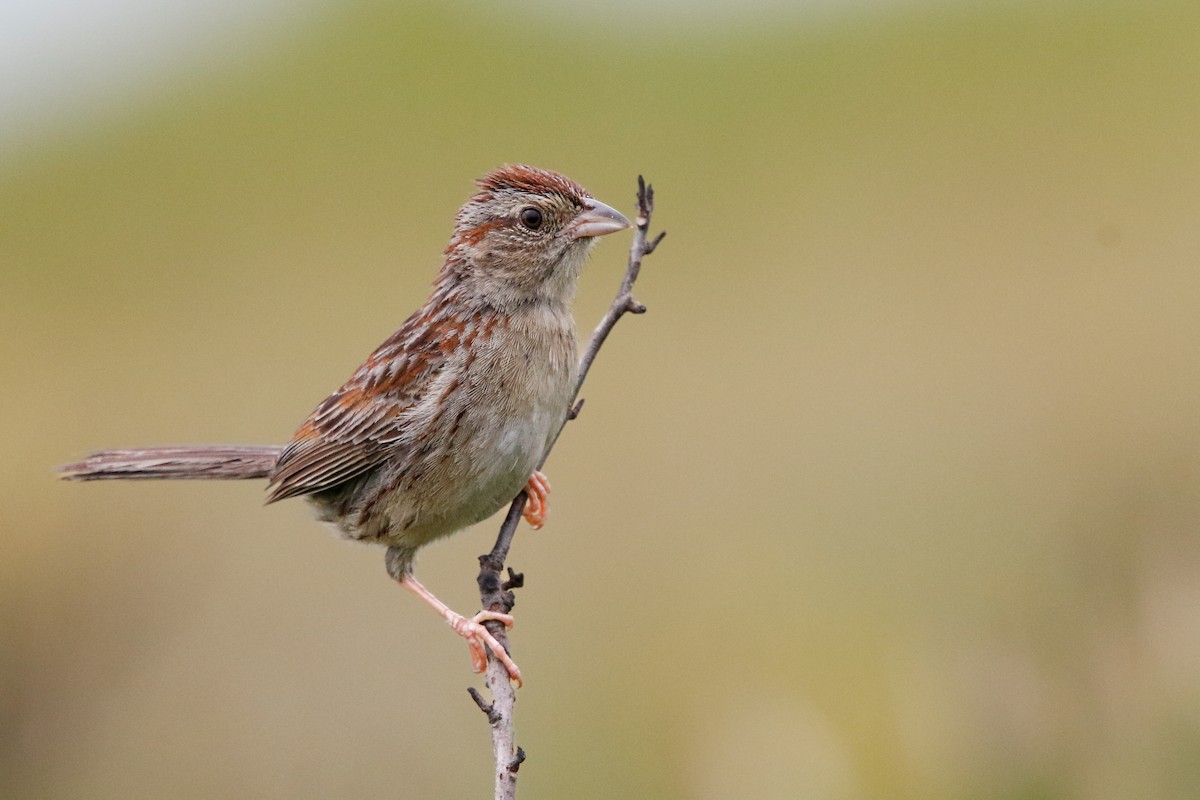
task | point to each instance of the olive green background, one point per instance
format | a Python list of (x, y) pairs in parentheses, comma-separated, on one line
[(891, 494)]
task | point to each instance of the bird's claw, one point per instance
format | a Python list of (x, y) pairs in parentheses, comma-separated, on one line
[(537, 507), (480, 640)]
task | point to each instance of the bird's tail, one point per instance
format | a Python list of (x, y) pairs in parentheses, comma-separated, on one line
[(196, 462)]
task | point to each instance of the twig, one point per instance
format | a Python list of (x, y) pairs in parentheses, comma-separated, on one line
[(498, 596)]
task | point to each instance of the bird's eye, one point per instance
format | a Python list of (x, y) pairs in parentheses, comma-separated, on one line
[(531, 218)]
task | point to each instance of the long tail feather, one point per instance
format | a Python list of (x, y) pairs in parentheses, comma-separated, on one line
[(199, 462)]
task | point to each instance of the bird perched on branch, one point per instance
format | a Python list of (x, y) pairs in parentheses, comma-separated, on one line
[(448, 419)]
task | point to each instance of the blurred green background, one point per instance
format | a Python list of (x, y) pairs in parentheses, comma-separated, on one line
[(892, 494)]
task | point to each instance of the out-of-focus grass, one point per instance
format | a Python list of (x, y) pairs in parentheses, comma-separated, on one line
[(892, 494)]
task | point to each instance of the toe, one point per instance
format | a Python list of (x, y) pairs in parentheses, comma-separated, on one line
[(494, 616)]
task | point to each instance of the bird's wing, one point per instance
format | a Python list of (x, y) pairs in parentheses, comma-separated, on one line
[(361, 424)]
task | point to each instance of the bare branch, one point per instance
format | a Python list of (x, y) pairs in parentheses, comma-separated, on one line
[(498, 596)]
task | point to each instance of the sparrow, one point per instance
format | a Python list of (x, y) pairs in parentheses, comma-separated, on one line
[(447, 420)]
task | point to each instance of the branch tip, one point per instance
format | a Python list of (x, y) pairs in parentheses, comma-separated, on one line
[(515, 580), (645, 203), (487, 708), (653, 243)]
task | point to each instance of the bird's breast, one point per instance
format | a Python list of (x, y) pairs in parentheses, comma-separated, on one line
[(491, 415), (522, 388)]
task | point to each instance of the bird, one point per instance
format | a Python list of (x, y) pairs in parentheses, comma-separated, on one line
[(447, 420)]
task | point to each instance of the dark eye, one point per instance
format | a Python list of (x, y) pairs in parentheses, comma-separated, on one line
[(531, 218)]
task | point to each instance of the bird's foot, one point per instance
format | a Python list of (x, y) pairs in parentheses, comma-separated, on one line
[(479, 640), (537, 490)]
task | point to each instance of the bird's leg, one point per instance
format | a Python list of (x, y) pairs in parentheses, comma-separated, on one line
[(476, 635), (537, 490)]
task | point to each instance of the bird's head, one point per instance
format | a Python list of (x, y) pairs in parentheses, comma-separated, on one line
[(525, 234)]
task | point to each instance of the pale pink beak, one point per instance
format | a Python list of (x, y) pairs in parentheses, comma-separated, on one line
[(597, 219)]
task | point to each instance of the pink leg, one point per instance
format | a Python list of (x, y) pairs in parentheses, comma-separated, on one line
[(538, 505), (476, 635)]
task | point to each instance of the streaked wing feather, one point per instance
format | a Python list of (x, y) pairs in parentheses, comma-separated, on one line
[(363, 423), (322, 467)]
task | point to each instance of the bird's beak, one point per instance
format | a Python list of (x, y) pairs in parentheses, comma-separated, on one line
[(597, 219)]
